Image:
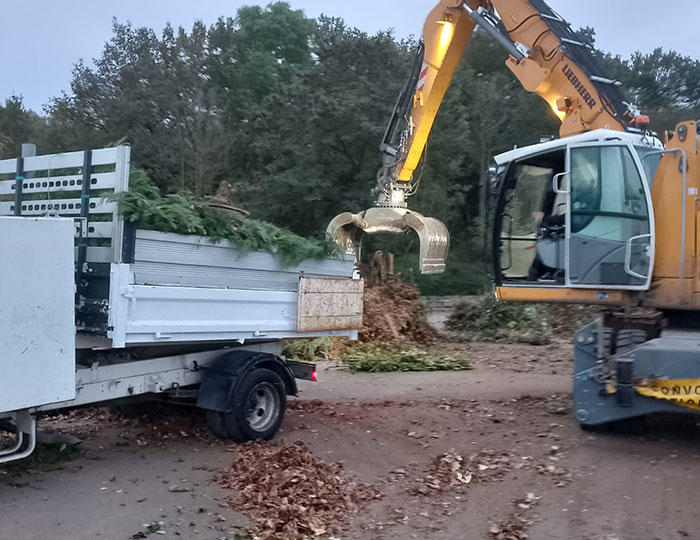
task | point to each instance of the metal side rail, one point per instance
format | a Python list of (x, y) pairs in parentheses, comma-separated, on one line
[(25, 437)]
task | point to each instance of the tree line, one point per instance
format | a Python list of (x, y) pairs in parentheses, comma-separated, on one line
[(290, 111)]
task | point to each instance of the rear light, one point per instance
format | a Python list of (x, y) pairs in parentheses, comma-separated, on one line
[(314, 375)]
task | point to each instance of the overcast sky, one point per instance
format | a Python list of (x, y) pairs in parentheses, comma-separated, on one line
[(41, 40)]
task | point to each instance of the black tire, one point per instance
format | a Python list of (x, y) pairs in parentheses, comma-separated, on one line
[(628, 340), (258, 407), (215, 421), (134, 410)]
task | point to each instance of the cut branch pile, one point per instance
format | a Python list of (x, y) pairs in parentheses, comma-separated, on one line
[(180, 213), (486, 319), (393, 311), (383, 358), (290, 494), (395, 328)]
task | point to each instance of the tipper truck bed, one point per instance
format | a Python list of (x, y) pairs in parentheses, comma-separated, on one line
[(93, 310)]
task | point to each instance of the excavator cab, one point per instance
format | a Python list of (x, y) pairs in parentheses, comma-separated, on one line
[(574, 213)]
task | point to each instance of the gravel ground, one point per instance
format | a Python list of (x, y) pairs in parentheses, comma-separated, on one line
[(523, 466)]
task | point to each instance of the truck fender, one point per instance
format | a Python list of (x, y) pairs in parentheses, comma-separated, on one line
[(222, 377)]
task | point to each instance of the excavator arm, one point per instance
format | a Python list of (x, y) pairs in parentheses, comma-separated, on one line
[(544, 54)]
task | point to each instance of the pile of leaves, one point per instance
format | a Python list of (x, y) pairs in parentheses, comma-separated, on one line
[(448, 470), (146, 207), (291, 494), (490, 466), (487, 319), (451, 469), (382, 358)]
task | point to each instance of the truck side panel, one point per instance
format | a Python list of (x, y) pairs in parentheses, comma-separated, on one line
[(37, 320)]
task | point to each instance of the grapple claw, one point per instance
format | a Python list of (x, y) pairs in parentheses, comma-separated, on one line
[(434, 242), (347, 229)]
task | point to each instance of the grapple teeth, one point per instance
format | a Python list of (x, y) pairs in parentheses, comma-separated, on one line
[(434, 242), (348, 229)]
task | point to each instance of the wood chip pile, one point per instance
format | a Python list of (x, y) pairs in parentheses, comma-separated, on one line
[(393, 311), (291, 494)]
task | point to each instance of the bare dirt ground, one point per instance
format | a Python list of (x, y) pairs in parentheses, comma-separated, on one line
[(529, 466)]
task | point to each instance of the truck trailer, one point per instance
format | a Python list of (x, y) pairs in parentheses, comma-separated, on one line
[(94, 310)]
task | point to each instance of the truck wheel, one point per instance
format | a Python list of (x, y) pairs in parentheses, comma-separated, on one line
[(215, 421), (258, 407), (629, 339), (134, 410)]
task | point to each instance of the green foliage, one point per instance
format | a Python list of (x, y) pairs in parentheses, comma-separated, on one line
[(315, 142), (461, 278), (663, 84), (291, 111), (17, 126), (180, 213), (465, 274), (486, 319), (386, 358), (307, 350)]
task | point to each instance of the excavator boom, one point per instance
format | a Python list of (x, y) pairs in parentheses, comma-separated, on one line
[(545, 55)]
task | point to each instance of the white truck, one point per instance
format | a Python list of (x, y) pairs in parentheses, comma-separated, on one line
[(93, 310)]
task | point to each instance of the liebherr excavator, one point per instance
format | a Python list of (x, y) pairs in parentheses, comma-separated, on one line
[(606, 215)]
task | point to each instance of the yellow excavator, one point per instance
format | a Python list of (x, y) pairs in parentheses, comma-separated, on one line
[(605, 215)]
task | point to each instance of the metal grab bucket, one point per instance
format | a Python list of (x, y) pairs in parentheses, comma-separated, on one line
[(347, 229)]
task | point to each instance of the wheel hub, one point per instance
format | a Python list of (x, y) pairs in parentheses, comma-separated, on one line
[(262, 406)]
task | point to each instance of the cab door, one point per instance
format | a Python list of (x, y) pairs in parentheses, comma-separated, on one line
[(610, 223)]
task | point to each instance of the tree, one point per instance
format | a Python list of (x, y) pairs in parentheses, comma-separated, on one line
[(154, 94), (317, 140), (17, 125)]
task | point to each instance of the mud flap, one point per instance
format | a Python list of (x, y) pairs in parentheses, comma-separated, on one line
[(347, 229), (221, 378)]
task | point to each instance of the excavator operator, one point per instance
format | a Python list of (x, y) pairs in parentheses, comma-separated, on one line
[(550, 221)]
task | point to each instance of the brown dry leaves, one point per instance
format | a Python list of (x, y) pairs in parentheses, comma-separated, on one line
[(156, 424), (451, 469), (491, 466), (511, 529), (291, 494), (515, 527)]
